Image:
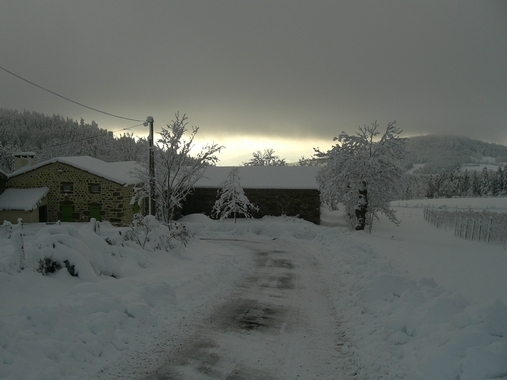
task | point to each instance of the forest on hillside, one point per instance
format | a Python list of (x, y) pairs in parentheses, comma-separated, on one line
[(57, 136), (443, 152)]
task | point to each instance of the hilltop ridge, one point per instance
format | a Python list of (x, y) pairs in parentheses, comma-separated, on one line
[(431, 154)]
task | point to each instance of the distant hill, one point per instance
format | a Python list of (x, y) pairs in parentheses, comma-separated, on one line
[(431, 154)]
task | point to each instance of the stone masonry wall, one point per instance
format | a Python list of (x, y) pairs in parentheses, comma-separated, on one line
[(275, 202), (113, 198)]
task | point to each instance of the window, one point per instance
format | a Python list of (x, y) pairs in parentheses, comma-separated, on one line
[(94, 188), (67, 187)]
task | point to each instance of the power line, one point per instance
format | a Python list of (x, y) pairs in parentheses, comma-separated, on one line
[(64, 97)]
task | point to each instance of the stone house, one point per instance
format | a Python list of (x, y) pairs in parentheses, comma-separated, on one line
[(275, 190), (70, 189)]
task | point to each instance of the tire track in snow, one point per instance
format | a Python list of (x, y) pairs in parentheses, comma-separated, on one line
[(278, 324)]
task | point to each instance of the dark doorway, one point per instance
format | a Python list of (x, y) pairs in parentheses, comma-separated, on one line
[(43, 214)]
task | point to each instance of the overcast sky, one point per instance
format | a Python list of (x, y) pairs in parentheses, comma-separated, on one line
[(288, 75)]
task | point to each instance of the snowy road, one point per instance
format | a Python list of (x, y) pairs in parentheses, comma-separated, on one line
[(279, 323)]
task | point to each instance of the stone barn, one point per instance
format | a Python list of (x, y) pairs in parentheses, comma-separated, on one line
[(275, 190), (70, 189)]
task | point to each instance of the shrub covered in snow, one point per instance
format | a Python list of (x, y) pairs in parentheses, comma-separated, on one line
[(150, 234), (81, 251)]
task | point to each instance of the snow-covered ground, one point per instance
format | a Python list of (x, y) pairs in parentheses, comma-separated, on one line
[(414, 302)]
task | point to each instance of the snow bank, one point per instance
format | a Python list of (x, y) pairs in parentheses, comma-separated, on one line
[(60, 326), (400, 327)]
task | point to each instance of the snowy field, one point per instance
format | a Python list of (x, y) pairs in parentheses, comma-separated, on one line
[(414, 302)]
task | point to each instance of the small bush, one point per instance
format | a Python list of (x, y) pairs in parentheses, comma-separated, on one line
[(48, 266), (150, 234)]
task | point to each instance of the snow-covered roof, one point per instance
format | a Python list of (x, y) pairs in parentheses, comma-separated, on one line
[(22, 199), (263, 177), (120, 172)]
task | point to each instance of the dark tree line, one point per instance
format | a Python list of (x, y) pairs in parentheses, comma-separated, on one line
[(464, 183)]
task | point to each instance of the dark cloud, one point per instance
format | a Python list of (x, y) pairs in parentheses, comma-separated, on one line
[(301, 69)]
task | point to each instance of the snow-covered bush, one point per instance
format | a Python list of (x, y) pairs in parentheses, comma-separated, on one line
[(7, 228), (16, 235), (84, 253), (150, 234), (95, 224), (48, 266)]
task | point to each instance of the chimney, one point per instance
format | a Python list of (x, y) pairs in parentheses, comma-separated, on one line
[(22, 159)]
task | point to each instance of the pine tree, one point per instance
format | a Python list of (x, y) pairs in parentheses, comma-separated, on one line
[(485, 183), (232, 199), (476, 184), (497, 183), (464, 184), (432, 187)]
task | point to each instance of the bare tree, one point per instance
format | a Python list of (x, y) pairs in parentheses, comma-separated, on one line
[(266, 158), (176, 171)]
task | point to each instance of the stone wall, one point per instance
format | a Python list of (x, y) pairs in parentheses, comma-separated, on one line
[(276, 202), (113, 198)]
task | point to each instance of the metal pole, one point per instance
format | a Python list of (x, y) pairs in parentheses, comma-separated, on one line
[(151, 205)]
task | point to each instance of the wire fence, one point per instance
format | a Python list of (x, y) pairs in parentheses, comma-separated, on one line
[(486, 226)]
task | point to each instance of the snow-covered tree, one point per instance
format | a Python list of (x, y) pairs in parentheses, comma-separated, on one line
[(56, 136), (232, 199), (127, 148), (176, 171), (364, 173), (464, 183), (6, 157), (417, 187), (497, 183), (485, 183), (266, 158)]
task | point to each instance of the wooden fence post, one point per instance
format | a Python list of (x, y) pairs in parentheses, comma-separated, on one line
[(488, 236)]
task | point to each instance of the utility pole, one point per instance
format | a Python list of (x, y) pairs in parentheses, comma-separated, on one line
[(151, 204)]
